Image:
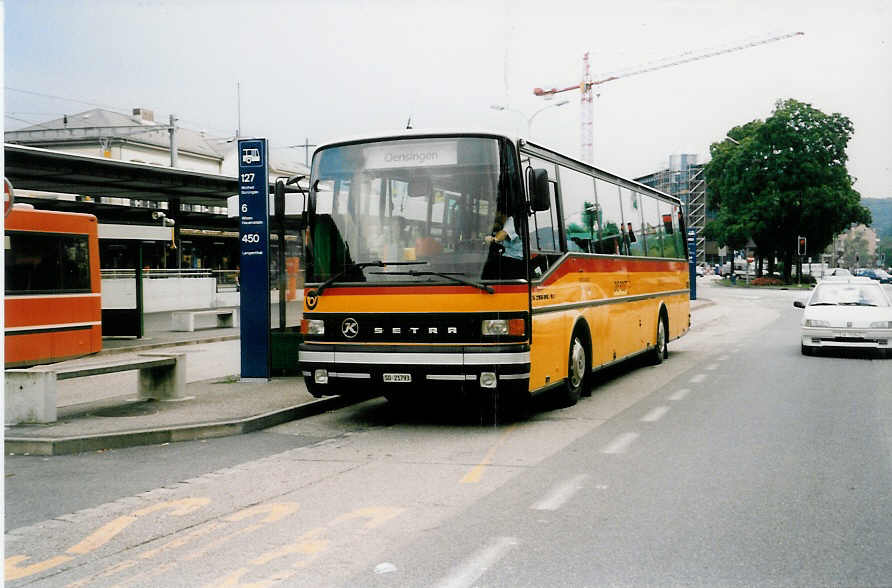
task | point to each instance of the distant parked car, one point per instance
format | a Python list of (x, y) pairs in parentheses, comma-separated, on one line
[(852, 313), (878, 275)]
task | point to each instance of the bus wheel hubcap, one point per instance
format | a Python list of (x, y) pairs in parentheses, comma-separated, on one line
[(577, 363)]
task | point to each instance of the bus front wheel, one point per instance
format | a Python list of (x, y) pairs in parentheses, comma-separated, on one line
[(661, 346), (577, 370)]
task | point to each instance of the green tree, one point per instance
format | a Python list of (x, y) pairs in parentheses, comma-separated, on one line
[(783, 177)]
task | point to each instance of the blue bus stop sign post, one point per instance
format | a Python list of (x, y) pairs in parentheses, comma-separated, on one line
[(253, 204), (692, 261)]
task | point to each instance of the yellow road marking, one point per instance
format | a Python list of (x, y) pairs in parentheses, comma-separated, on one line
[(377, 516), (476, 473), (12, 571), (108, 531), (98, 538)]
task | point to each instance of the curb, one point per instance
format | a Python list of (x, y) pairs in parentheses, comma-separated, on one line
[(703, 303), (136, 438)]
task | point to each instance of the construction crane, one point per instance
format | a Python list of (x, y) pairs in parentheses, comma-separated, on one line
[(587, 83)]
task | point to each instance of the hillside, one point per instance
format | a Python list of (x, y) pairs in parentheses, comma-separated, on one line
[(881, 209)]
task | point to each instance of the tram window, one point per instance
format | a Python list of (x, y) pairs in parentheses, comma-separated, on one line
[(632, 220), (609, 219), (579, 205), (46, 263), (653, 225)]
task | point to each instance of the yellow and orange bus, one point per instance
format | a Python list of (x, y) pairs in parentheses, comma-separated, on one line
[(412, 284), (52, 300)]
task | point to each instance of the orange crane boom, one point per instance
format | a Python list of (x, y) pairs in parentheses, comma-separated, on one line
[(680, 60), (587, 83)]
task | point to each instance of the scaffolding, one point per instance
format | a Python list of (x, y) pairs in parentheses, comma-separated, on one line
[(686, 179)]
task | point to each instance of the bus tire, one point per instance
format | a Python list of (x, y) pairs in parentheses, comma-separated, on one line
[(577, 370), (660, 349)]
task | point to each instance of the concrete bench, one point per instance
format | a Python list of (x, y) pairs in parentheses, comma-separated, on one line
[(31, 393), (184, 320)]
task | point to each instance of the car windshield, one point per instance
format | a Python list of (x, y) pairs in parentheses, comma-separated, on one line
[(431, 201), (848, 295)]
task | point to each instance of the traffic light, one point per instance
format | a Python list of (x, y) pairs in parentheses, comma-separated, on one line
[(801, 249)]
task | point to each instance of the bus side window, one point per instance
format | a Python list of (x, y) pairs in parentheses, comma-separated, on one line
[(653, 225), (609, 217), (578, 209), (632, 218)]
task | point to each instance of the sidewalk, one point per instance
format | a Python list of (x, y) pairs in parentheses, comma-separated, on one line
[(103, 412)]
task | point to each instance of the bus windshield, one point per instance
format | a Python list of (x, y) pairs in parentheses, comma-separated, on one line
[(423, 205)]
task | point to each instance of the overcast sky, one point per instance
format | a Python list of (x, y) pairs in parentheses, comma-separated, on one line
[(326, 69)]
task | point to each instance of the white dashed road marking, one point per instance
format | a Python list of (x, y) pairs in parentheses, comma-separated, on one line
[(620, 443), (560, 494), (470, 571), (698, 378), (680, 394), (655, 414)]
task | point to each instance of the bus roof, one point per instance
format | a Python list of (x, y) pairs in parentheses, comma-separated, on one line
[(517, 139)]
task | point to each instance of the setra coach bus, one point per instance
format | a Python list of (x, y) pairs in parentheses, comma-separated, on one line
[(484, 265), (52, 300)]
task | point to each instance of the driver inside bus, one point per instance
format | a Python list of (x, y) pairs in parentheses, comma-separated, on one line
[(504, 234)]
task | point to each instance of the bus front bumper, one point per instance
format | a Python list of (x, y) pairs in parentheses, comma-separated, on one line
[(336, 369)]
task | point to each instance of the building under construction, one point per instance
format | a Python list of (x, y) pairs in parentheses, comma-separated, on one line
[(685, 178)]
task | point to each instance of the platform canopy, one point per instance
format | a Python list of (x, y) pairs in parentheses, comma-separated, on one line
[(31, 168)]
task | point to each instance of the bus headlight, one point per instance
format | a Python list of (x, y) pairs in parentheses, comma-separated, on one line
[(312, 327), (881, 325), (488, 380), (495, 327), (816, 323)]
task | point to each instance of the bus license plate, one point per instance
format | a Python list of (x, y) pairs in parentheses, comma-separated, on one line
[(397, 377)]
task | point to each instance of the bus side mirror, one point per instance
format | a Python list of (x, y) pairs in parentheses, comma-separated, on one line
[(798, 304), (311, 200), (537, 180)]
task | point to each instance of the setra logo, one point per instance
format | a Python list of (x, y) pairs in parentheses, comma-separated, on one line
[(349, 328)]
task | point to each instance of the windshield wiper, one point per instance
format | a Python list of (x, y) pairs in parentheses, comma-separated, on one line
[(448, 276), (823, 304), (360, 266)]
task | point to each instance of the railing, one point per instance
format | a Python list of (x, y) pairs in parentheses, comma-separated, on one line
[(227, 280)]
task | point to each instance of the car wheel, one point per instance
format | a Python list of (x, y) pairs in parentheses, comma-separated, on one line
[(806, 350)]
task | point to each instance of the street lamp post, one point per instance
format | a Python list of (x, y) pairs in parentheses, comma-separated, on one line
[(529, 119)]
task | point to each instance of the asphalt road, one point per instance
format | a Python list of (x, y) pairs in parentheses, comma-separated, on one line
[(738, 462)]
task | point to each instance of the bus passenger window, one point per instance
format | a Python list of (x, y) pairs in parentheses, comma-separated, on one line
[(609, 219), (653, 225), (632, 217)]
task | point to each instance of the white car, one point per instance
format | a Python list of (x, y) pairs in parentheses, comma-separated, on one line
[(846, 313)]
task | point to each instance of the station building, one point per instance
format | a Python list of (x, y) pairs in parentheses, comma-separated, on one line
[(192, 199)]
